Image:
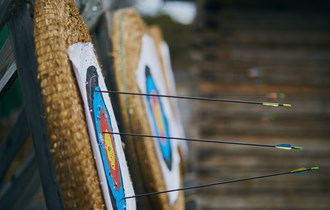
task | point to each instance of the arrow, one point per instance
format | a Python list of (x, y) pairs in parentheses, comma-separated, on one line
[(304, 170), (295, 171), (199, 98), (287, 147), (278, 146), (275, 104)]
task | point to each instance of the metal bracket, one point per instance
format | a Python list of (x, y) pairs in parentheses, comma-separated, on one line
[(92, 10)]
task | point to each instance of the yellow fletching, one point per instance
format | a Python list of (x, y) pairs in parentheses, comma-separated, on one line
[(270, 104), (298, 170)]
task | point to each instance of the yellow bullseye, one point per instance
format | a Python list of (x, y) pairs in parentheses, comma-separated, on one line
[(110, 150), (158, 116)]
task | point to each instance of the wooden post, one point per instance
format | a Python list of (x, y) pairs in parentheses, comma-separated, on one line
[(21, 33)]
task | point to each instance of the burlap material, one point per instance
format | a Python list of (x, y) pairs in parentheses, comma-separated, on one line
[(57, 26), (127, 32)]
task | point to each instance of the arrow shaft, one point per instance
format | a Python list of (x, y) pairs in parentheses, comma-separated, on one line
[(193, 139), (210, 185), (192, 98)]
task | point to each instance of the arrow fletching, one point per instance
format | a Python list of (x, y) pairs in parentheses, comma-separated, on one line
[(270, 104), (275, 104), (287, 147), (304, 170)]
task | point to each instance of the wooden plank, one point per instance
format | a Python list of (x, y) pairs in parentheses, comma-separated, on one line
[(289, 41), (270, 187), (8, 79), (6, 8), (227, 65), (261, 56), (306, 113), (21, 32), (206, 88), (275, 130), (260, 36), (21, 188), (251, 201), (241, 125), (8, 72), (319, 6), (12, 143), (241, 68), (314, 79), (212, 161), (278, 20)]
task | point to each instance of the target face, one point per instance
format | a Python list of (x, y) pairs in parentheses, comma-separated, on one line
[(102, 123), (159, 120), (107, 148)]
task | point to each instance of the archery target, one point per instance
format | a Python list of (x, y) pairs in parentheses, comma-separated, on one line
[(107, 148), (160, 117), (137, 68), (171, 90)]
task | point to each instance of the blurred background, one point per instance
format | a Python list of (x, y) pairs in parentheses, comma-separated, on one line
[(274, 50)]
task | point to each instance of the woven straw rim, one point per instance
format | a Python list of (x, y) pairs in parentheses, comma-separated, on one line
[(157, 35), (57, 26), (127, 31)]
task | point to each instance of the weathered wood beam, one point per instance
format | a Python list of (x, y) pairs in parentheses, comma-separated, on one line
[(21, 33)]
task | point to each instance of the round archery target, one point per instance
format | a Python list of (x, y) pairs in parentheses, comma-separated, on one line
[(107, 148), (164, 57), (156, 162), (160, 117), (171, 90)]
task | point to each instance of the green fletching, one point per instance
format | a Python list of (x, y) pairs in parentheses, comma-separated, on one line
[(297, 148), (270, 104), (315, 168)]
